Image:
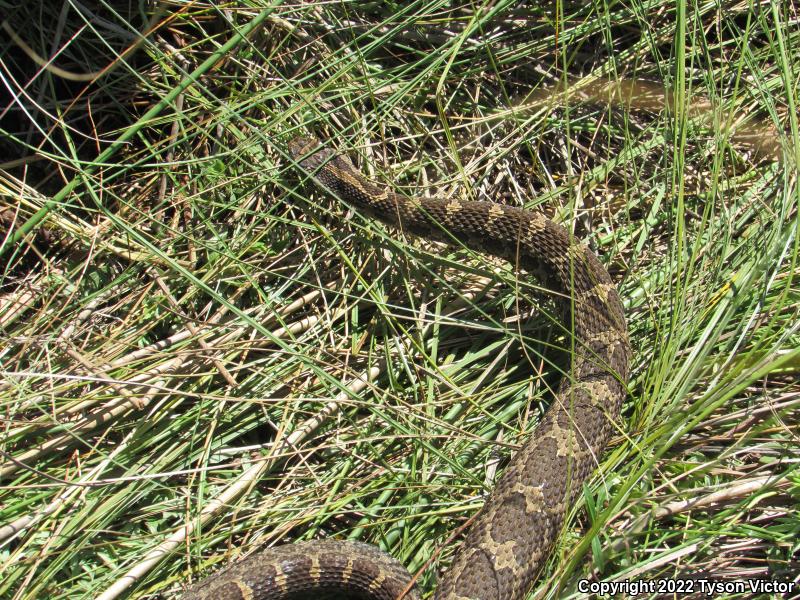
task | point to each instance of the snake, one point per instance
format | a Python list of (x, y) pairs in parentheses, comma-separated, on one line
[(515, 531)]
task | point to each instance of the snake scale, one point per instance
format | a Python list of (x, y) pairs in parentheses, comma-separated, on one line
[(514, 532)]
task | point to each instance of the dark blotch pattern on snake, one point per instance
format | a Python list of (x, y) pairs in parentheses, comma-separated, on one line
[(514, 533)]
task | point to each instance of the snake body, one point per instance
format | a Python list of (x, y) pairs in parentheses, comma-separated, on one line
[(513, 534)]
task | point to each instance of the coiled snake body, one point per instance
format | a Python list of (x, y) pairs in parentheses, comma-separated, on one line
[(513, 534)]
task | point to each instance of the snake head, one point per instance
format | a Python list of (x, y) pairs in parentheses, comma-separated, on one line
[(312, 155), (309, 152), (300, 146)]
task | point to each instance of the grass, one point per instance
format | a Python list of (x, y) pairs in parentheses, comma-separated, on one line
[(203, 355)]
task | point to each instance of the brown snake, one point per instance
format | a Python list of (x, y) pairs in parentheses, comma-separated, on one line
[(514, 533)]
